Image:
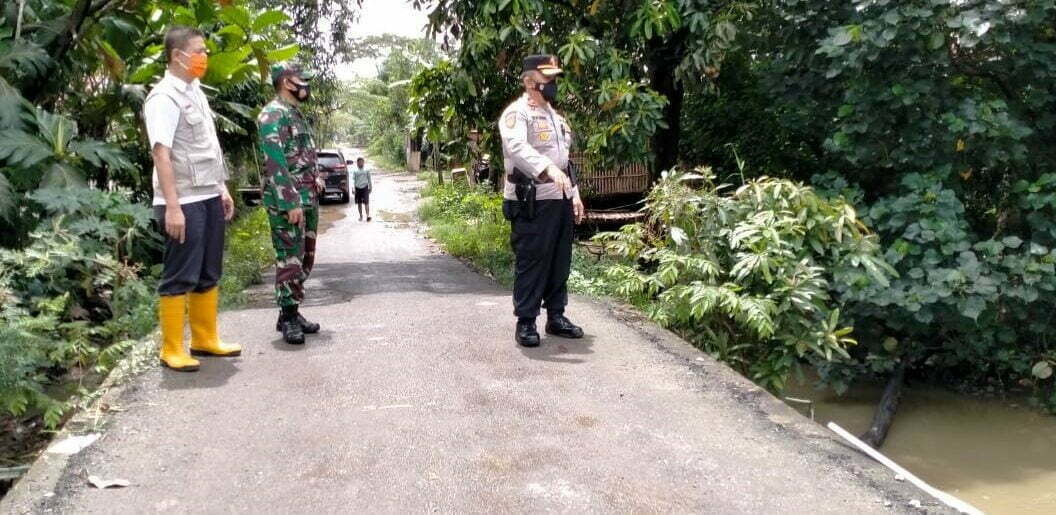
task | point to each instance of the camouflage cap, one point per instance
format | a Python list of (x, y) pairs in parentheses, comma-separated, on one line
[(283, 69)]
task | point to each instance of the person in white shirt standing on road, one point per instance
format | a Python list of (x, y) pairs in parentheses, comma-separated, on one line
[(363, 184), (191, 201), (541, 201)]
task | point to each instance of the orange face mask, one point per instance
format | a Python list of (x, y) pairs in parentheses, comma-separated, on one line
[(199, 63)]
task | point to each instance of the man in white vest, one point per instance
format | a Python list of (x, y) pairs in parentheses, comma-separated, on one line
[(191, 202)]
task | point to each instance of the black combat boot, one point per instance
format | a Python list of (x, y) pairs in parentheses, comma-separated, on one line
[(527, 335), (558, 325), (306, 326), (291, 328)]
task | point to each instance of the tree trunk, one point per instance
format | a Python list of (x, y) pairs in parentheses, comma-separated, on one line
[(496, 174), (663, 63), (435, 154), (885, 411)]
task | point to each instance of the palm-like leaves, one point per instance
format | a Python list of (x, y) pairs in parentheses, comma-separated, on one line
[(12, 107), (100, 154), (22, 149), (49, 147), (25, 59), (758, 266)]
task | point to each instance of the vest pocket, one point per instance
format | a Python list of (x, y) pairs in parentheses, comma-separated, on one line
[(205, 170), (202, 159)]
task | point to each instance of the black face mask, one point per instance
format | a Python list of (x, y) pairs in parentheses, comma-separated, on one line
[(549, 91), (301, 91)]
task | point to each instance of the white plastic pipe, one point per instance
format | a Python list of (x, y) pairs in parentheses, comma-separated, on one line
[(946, 498)]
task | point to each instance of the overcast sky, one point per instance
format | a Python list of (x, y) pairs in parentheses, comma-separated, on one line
[(382, 17)]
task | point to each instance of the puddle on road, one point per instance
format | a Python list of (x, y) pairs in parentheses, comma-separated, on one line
[(993, 454), (399, 220), (329, 214)]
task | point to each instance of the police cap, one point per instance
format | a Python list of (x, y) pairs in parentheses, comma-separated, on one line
[(543, 63)]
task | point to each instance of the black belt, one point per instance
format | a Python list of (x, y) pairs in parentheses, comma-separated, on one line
[(517, 176)]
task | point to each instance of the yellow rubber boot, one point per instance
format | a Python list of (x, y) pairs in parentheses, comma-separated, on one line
[(204, 337), (172, 311)]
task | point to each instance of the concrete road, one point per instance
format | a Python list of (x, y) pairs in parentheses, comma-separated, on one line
[(414, 398)]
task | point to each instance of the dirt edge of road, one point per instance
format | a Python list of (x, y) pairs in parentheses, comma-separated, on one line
[(42, 481)]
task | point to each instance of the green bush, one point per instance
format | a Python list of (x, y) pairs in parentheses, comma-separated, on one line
[(388, 146), (751, 275), (70, 301), (588, 277), (938, 118), (968, 310), (248, 253)]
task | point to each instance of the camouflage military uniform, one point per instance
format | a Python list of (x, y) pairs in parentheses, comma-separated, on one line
[(289, 183)]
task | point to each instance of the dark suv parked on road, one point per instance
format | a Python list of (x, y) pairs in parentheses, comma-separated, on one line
[(334, 171)]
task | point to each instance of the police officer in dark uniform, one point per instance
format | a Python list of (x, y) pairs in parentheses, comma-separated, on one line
[(541, 201)]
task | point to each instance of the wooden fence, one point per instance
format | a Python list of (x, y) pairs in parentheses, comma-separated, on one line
[(599, 181)]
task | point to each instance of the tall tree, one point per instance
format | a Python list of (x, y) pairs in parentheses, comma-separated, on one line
[(627, 61)]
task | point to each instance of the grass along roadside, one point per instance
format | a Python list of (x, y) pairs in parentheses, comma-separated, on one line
[(247, 254), (469, 225)]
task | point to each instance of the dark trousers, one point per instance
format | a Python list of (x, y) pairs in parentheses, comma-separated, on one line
[(543, 253), (196, 264)]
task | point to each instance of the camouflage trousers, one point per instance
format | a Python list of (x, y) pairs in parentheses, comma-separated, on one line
[(294, 254)]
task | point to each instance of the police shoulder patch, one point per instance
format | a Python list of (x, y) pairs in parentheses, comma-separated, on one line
[(510, 120)]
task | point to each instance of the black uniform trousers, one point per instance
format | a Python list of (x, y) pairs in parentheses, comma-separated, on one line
[(543, 257), (196, 264)]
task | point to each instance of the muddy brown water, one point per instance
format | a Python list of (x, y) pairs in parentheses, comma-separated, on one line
[(995, 454), (329, 214), (400, 220)]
